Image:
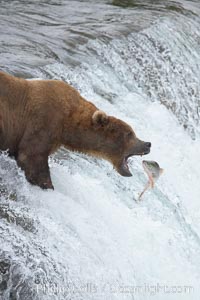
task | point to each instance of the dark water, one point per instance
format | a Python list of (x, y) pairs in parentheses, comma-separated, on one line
[(39, 33), (141, 61)]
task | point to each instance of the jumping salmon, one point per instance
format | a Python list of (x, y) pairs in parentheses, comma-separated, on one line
[(153, 171)]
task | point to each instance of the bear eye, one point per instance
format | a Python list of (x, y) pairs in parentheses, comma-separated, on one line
[(129, 134)]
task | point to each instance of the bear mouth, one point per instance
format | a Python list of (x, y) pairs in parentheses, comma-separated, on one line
[(124, 168)]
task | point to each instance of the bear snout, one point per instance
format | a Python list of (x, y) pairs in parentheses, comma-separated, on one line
[(147, 147), (148, 144), (141, 148)]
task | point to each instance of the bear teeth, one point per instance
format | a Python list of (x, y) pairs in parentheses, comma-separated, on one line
[(126, 162)]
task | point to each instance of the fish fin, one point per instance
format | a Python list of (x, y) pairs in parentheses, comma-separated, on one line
[(161, 171)]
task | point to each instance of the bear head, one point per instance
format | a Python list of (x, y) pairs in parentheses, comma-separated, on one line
[(103, 136), (116, 141)]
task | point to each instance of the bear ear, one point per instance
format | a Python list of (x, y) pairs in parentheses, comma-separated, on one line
[(99, 118)]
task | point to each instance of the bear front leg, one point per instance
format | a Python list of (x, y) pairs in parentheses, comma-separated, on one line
[(36, 169)]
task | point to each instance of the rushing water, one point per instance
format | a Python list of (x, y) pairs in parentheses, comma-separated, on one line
[(90, 239)]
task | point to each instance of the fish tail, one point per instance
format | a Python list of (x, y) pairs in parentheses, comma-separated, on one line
[(146, 187)]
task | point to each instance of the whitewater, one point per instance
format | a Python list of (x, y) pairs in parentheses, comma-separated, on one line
[(90, 238)]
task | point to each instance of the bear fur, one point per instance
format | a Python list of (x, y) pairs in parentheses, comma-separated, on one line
[(38, 116)]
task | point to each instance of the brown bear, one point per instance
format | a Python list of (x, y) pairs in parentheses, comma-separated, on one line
[(38, 116)]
